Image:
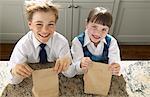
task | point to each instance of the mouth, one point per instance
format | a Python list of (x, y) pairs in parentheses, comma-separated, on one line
[(96, 37), (44, 35)]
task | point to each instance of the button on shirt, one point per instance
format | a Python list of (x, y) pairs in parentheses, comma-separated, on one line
[(77, 50), (27, 51)]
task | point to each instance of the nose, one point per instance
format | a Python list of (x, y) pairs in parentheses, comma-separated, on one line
[(45, 29), (97, 32)]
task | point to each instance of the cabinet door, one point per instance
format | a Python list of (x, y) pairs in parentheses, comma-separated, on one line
[(81, 11), (133, 22), (12, 21), (64, 23)]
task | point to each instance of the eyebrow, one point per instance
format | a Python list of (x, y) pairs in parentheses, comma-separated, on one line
[(42, 21), (52, 22)]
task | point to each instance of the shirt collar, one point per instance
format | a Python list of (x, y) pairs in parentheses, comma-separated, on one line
[(88, 41), (36, 43)]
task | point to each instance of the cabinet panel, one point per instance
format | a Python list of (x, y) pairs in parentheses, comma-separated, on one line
[(12, 21), (64, 25), (132, 24)]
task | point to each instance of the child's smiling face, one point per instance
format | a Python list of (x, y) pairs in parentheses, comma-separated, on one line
[(43, 25), (96, 32)]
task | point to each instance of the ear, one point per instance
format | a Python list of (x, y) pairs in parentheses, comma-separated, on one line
[(30, 24), (86, 24)]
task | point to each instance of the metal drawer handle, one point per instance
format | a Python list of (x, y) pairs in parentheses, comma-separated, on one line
[(75, 6), (69, 6)]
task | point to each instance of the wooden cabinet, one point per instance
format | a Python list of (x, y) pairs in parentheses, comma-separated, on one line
[(133, 22), (73, 14)]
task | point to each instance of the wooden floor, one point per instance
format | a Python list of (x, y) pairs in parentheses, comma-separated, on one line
[(128, 52), (135, 52), (5, 51)]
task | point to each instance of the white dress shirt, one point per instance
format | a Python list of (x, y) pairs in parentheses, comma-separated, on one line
[(77, 50), (27, 51)]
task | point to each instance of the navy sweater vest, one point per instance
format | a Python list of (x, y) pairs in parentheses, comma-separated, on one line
[(100, 58)]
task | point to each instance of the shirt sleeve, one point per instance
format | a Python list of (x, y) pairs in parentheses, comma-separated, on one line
[(12, 78), (65, 51), (114, 52), (70, 72), (17, 57), (77, 54)]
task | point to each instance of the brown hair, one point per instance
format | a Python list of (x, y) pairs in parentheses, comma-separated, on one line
[(33, 6), (100, 15)]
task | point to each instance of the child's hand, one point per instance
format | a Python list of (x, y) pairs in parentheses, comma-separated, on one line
[(62, 64), (22, 70), (85, 63), (115, 68)]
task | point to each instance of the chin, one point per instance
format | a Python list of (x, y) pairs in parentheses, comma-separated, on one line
[(43, 40), (95, 40)]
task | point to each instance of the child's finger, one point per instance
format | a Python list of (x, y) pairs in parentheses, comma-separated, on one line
[(65, 66), (110, 67), (115, 72), (60, 68), (114, 65), (64, 63), (88, 60), (56, 65), (23, 73), (20, 70), (84, 65), (25, 70), (28, 68), (85, 69)]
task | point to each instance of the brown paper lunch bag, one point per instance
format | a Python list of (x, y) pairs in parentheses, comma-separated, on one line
[(97, 80), (45, 83)]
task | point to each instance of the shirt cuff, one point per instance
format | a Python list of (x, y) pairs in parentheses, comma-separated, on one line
[(11, 78), (70, 72), (78, 68)]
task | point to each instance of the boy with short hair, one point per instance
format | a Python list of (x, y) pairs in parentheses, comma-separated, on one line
[(41, 44)]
